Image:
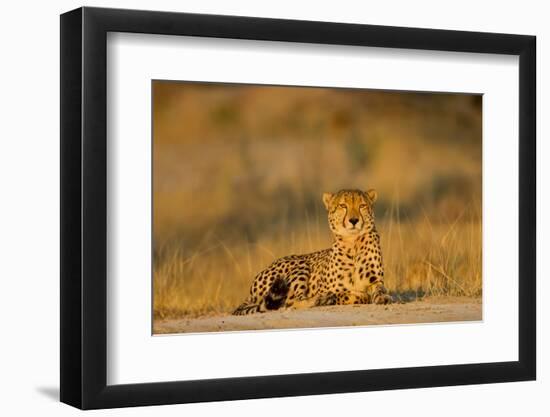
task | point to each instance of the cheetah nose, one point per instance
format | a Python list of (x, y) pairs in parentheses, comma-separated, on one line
[(353, 221)]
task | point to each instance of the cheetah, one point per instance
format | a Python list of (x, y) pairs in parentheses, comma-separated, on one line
[(349, 272)]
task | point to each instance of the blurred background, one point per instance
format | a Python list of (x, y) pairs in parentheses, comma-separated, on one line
[(239, 170)]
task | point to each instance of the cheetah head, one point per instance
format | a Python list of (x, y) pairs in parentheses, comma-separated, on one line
[(350, 212)]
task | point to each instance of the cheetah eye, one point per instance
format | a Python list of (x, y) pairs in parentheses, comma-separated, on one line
[(363, 206), (342, 205)]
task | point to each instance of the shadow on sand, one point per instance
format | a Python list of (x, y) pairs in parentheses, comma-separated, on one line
[(402, 297)]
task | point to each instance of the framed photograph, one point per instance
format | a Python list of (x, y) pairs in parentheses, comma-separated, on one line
[(257, 208)]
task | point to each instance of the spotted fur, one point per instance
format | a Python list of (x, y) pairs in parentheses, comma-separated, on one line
[(349, 272)]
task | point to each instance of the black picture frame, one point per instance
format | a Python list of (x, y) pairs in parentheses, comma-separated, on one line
[(84, 207)]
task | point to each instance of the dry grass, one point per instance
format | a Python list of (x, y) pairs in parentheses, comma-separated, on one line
[(421, 259)]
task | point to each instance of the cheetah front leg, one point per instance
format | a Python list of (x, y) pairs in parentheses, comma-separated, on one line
[(344, 298), (341, 298), (302, 301), (377, 296), (352, 297)]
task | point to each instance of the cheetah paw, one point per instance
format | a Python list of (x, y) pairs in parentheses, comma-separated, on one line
[(383, 299), (329, 299)]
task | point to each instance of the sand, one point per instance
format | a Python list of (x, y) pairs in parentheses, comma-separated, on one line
[(445, 309)]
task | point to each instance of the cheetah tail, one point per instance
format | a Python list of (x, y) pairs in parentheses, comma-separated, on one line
[(274, 299), (246, 308)]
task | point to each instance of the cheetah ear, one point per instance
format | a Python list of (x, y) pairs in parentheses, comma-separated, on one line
[(372, 195), (326, 199)]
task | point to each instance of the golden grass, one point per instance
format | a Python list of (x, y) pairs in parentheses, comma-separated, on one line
[(421, 259)]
